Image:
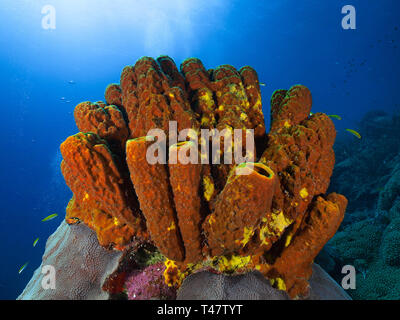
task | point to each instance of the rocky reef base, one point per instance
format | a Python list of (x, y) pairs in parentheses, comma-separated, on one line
[(266, 210), (82, 267)]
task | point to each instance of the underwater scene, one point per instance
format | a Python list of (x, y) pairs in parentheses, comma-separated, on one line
[(200, 150)]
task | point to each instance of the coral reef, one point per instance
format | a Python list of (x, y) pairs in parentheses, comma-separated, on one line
[(275, 218), (210, 286), (81, 266), (380, 144), (253, 286), (369, 237), (373, 249)]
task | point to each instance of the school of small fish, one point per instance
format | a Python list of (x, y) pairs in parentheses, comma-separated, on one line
[(35, 242), (54, 215)]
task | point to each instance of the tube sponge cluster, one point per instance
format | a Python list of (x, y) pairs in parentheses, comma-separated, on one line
[(275, 219)]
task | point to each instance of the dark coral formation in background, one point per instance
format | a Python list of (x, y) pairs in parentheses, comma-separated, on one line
[(275, 220), (368, 172)]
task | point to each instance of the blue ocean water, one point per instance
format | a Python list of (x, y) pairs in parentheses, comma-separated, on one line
[(45, 73)]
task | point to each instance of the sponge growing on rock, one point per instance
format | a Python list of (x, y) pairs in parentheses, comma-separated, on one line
[(200, 215)]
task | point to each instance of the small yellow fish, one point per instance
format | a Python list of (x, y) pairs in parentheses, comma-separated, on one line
[(35, 242), (23, 268), (335, 116), (262, 84), (50, 217), (72, 221), (355, 133)]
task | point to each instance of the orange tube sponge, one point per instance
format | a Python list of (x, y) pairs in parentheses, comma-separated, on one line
[(185, 183), (113, 95), (239, 208), (169, 68), (181, 110), (195, 74), (291, 109), (152, 98), (201, 91), (129, 97), (101, 196), (107, 121), (252, 87), (152, 188), (233, 105), (111, 233), (321, 163), (294, 265), (303, 155), (274, 219)]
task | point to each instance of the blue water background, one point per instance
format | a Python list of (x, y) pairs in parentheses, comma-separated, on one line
[(286, 41)]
